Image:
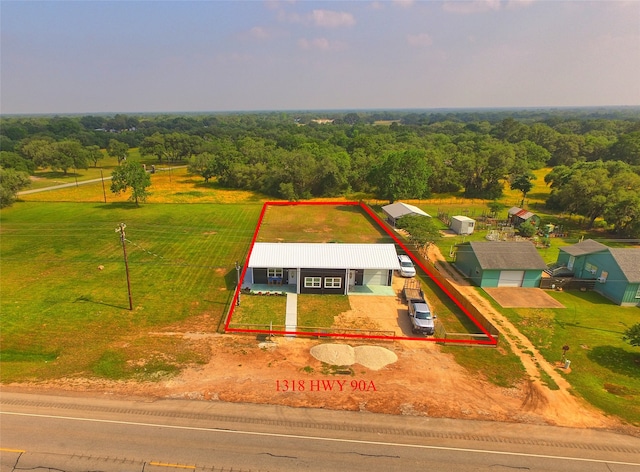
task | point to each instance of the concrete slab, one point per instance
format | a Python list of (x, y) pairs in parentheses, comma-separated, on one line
[(291, 318), (519, 297)]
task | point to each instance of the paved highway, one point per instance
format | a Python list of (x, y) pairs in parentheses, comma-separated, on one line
[(73, 434)]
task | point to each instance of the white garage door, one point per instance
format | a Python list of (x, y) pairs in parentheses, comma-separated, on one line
[(374, 277), (511, 278)]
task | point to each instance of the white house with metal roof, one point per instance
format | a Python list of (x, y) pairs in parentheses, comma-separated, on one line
[(321, 268), (397, 210)]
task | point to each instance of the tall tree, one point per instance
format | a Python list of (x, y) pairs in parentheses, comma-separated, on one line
[(118, 149), (11, 182), (94, 154), (131, 175), (522, 182), (68, 154), (403, 174)]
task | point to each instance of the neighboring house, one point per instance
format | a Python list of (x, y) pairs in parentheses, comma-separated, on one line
[(517, 216), (397, 210), (462, 224), (500, 264), (321, 268), (615, 270)]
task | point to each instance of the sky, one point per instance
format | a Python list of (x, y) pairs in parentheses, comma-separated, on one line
[(190, 56)]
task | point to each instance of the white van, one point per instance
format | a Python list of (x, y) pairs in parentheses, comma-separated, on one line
[(406, 266)]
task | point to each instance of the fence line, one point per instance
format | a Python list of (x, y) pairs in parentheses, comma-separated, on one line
[(313, 331)]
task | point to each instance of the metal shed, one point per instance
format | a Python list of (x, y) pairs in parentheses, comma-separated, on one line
[(462, 224)]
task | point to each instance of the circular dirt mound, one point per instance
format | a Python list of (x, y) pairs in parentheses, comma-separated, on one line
[(334, 354), (374, 357), (371, 357)]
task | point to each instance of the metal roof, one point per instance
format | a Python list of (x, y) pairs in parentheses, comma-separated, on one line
[(508, 255), (324, 256), (462, 218), (588, 246), (398, 209), (520, 213)]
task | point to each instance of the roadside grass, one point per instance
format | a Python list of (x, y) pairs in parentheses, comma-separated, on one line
[(604, 369), (319, 311), (64, 295), (261, 310), (499, 365)]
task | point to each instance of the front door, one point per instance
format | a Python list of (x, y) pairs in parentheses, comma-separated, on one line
[(293, 277), (352, 279)]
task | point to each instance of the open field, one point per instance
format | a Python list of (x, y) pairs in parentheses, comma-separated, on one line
[(64, 294)]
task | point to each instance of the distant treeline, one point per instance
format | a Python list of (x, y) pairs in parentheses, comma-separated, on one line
[(393, 155)]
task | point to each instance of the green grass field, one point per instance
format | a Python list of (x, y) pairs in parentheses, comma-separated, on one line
[(64, 293)]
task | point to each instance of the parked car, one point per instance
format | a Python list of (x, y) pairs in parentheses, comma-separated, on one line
[(406, 266), (422, 320)]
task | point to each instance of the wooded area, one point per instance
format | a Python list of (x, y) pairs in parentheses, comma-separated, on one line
[(595, 153)]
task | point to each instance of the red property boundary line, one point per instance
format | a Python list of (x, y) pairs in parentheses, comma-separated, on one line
[(491, 342)]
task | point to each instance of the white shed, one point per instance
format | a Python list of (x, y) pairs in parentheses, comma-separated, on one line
[(462, 224)]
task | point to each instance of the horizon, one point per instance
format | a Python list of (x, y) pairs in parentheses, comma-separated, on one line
[(336, 111)]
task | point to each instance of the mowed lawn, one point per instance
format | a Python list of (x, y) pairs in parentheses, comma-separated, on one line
[(300, 223), (64, 303)]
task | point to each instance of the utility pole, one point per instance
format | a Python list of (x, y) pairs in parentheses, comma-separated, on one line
[(120, 229), (104, 192), (238, 283)]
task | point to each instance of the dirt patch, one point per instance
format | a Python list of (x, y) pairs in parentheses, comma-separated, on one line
[(519, 297)]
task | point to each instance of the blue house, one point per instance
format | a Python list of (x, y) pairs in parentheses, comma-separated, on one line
[(500, 263), (615, 270)]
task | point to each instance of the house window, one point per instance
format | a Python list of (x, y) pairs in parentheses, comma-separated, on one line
[(332, 282), (603, 276), (638, 292), (591, 268), (312, 282), (273, 273)]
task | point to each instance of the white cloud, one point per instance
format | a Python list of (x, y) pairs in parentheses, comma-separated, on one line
[(473, 6), (332, 19), (479, 6), (259, 32), (320, 44), (403, 3), (420, 40)]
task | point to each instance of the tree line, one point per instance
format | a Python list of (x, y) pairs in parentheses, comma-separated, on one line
[(391, 155)]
